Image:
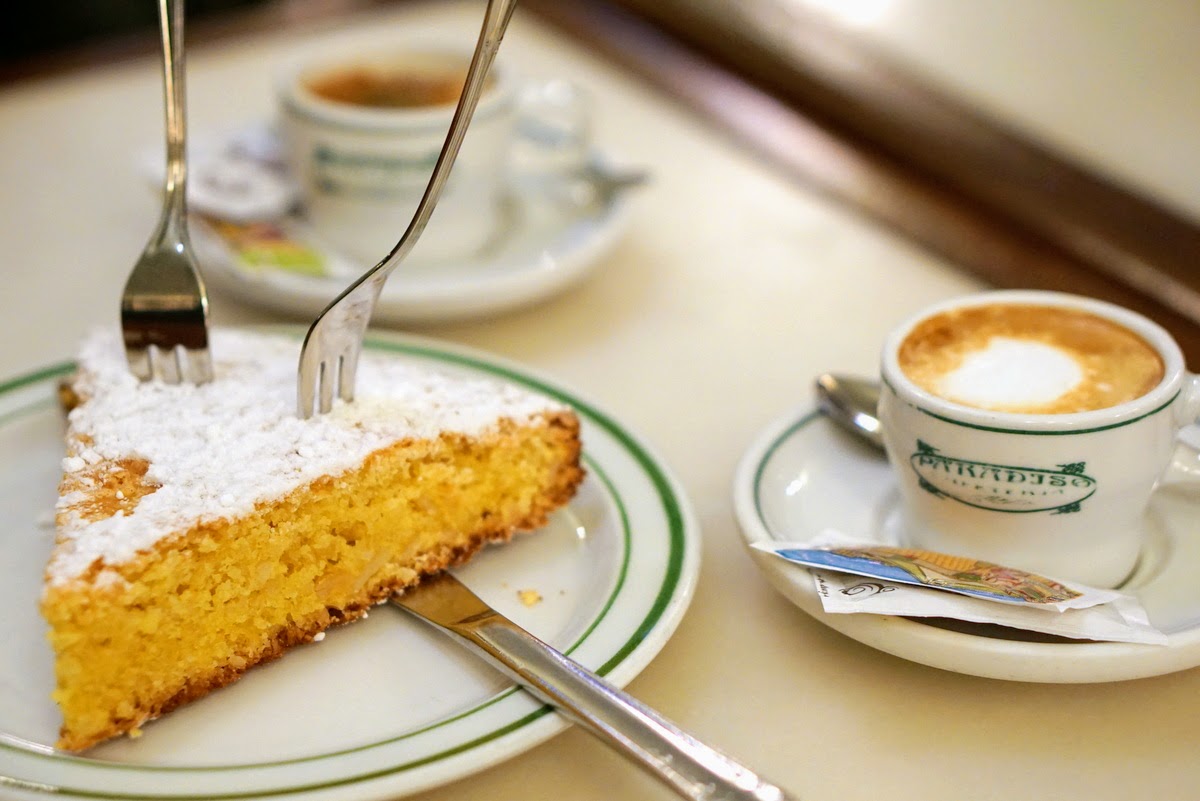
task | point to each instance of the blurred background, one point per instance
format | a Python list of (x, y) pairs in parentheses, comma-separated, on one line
[(1110, 84), (1066, 124), (53, 29)]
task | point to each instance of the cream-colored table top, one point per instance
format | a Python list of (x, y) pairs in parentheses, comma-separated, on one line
[(730, 291)]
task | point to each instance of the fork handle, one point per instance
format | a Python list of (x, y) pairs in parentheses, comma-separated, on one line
[(170, 17), (494, 24), (334, 340), (692, 769)]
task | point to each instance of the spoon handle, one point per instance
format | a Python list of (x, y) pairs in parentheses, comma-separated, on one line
[(692, 769)]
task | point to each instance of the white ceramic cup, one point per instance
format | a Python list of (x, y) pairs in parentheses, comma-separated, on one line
[(1063, 495), (362, 169)]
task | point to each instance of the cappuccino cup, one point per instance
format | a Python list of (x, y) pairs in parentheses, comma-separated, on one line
[(362, 132), (1031, 428)]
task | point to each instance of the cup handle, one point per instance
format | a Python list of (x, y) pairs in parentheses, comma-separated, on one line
[(1185, 464), (553, 131)]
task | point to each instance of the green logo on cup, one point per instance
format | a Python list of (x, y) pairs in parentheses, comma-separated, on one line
[(1002, 488)]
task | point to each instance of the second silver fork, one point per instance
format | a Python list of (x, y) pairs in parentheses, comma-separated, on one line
[(164, 308), (333, 343)]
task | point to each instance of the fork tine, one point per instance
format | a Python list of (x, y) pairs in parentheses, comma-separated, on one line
[(163, 366), (154, 360), (347, 370), (200, 370), (307, 397), (327, 380), (192, 365), (139, 363), (308, 376), (179, 362)]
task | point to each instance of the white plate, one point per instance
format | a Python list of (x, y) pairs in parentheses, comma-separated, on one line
[(545, 245), (803, 475), (381, 708)]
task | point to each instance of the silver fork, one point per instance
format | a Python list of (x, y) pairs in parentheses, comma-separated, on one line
[(164, 308), (334, 342)]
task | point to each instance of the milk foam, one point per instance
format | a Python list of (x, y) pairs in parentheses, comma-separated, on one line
[(1012, 373)]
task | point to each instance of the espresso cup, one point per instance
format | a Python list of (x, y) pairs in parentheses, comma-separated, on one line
[(363, 131), (1031, 428)]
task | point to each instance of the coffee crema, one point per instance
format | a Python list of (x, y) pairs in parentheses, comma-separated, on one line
[(389, 87), (1029, 359)]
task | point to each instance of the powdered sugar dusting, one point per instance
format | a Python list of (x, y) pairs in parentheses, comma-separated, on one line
[(216, 450)]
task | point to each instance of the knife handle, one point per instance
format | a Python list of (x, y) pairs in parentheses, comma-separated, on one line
[(689, 767)]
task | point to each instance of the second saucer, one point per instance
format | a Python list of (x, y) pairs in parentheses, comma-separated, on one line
[(803, 475)]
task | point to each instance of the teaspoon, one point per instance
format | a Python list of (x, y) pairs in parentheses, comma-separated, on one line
[(851, 402)]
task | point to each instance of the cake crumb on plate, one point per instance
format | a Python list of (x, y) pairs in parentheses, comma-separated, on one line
[(529, 597)]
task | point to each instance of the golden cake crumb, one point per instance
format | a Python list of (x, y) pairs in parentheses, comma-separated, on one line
[(529, 597)]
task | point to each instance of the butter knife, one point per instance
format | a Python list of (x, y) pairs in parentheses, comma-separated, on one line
[(689, 767)]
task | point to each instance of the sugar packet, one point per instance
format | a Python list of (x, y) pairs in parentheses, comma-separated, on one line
[(1121, 620), (832, 550), (853, 576)]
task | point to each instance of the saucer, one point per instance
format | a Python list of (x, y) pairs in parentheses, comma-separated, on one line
[(550, 236), (804, 474)]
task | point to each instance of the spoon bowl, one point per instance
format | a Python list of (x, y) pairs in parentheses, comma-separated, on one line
[(850, 402)]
